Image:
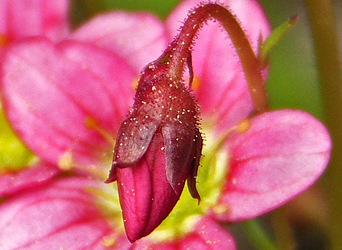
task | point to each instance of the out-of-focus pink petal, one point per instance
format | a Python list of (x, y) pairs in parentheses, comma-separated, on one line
[(146, 196), (59, 215), (222, 91), (137, 37), (50, 92), (26, 178), (281, 155), (206, 235), (22, 18)]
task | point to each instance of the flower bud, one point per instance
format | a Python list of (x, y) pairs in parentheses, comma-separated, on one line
[(158, 147)]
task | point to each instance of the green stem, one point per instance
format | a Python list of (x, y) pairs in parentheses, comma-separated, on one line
[(323, 27), (257, 235)]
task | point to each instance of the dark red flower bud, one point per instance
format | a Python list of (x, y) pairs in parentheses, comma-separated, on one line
[(158, 147)]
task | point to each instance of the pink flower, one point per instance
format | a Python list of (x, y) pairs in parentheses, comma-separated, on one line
[(64, 99), (20, 19), (25, 18), (56, 215)]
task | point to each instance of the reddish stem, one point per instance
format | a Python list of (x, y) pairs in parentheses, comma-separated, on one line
[(180, 49)]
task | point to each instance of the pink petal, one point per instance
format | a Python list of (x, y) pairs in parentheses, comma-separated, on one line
[(281, 155), (137, 37), (26, 178), (60, 215), (146, 197), (222, 92), (22, 18), (206, 235), (50, 91)]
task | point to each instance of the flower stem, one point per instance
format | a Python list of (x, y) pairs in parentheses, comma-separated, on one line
[(257, 235), (250, 63), (325, 38)]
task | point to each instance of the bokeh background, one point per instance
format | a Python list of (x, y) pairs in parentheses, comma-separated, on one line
[(292, 83)]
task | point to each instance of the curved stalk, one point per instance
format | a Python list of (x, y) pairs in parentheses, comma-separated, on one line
[(181, 46)]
